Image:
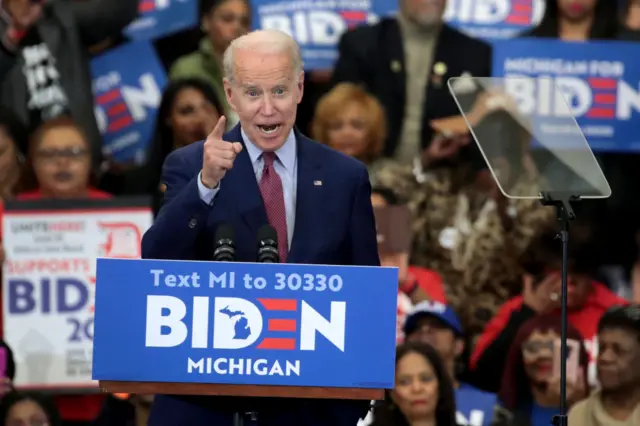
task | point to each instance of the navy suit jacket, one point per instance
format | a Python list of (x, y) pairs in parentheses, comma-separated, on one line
[(334, 225)]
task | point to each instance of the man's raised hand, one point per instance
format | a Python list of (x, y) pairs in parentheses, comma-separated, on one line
[(218, 155)]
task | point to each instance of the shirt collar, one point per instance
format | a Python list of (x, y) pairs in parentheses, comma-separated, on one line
[(286, 153)]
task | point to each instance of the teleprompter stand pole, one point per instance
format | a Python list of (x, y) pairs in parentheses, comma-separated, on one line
[(564, 212)]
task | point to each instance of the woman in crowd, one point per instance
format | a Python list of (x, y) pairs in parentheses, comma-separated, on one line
[(578, 20), (28, 409), (59, 163), (351, 121), (188, 112), (530, 391), (59, 167), (222, 22), (631, 21), (423, 394), (587, 300)]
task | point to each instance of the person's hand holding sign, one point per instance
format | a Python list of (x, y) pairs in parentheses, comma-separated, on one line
[(218, 156)]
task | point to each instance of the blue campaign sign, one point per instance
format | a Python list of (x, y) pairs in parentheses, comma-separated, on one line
[(245, 323), (318, 26), (494, 19), (158, 18), (127, 86), (600, 81)]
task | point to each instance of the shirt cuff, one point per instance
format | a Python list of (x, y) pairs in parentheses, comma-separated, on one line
[(207, 194)]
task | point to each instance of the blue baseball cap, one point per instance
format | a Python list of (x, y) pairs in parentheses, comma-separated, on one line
[(444, 313)]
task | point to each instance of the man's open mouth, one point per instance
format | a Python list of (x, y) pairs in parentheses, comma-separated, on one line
[(269, 129)]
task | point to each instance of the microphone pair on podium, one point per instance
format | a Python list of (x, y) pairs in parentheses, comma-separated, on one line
[(224, 247)]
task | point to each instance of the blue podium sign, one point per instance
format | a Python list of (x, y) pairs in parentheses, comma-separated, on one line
[(245, 323)]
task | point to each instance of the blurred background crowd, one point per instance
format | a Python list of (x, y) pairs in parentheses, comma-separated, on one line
[(479, 274)]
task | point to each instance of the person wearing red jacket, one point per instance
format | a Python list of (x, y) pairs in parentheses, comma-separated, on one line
[(587, 301), (59, 167)]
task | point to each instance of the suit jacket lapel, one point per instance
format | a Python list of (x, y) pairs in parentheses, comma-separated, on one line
[(309, 195), (241, 188), (393, 57), (442, 55)]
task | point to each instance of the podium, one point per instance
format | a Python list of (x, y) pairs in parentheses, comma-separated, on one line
[(245, 329)]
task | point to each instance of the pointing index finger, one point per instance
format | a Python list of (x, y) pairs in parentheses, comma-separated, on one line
[(218, 131)]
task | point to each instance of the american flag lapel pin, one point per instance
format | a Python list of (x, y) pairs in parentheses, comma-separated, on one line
[(317, 183)]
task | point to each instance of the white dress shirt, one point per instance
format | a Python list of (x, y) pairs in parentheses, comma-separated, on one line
[(286, 166)]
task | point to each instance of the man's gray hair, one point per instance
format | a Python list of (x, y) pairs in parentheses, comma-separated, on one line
[(263, 41)]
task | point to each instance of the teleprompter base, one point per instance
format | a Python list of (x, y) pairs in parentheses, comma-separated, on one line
[(240, 390)]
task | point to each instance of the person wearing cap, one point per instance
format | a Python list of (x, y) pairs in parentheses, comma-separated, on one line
[(617, 403), (438, 325)]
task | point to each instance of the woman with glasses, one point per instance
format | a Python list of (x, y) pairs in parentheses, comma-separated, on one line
[(530, 391), (59, 163), (222, 21), (423, 394), (28, 409), (59, 167)]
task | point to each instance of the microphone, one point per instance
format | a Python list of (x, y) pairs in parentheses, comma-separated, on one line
[(268, 245), (224, 246)]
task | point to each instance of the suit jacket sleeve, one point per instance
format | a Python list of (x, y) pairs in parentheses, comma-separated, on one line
[(363, 234), (364, 252), (182, 216)]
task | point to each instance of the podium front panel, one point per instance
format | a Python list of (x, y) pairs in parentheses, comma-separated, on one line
[(280, 325)]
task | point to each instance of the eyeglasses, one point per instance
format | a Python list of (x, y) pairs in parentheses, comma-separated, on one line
[(67, 153), (535, 347)]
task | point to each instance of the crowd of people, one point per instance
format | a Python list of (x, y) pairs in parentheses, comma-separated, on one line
[(479, 283)]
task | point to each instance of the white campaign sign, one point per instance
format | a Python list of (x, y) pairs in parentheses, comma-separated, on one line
[(48, 286)]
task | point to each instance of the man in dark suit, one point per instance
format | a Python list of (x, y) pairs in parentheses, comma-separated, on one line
[(263, 171), (406, 62)]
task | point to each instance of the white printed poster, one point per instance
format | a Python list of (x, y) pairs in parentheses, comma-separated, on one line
[(49, 282)]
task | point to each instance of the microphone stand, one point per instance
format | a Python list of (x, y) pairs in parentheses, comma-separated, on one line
[(564, 214)]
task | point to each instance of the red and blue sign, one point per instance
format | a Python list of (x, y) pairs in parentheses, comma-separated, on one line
[(317, 27), (245, 323), (159, 18), (127, 83), (494, 19), (598, 83)]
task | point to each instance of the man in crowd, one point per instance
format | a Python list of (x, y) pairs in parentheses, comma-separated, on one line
[(438, 325), (406, 61), (263, 172), (617, 403)]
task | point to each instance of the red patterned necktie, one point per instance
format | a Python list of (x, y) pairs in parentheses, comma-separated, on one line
[(273, 197)]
